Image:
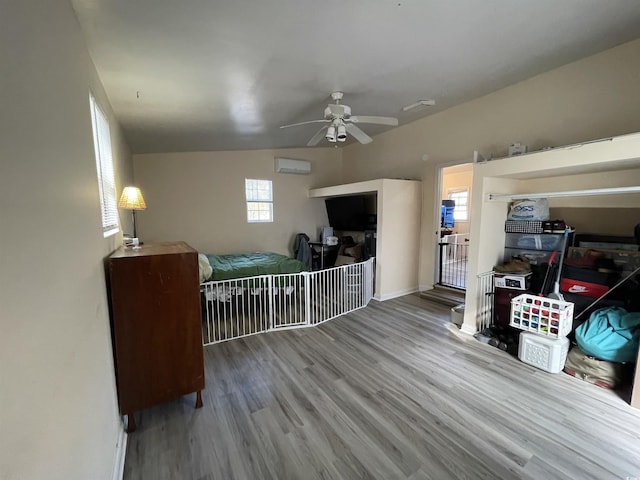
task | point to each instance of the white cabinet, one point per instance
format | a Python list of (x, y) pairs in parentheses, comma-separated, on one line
[(399, 205)]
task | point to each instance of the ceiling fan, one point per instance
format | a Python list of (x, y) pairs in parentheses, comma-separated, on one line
[(341, 122)]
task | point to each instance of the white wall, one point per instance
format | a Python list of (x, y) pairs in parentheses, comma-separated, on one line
[(58, 409), (200, 198), (592, 98), (399, 205)]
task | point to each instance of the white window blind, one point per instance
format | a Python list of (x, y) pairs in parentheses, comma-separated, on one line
[(259, 195), (104, 165), (461, 210)]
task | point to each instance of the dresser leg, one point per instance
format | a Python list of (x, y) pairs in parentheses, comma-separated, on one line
[(199, 399), (131, 423)]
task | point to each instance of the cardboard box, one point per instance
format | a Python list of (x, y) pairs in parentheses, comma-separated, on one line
[(625, 260), (579, 287)]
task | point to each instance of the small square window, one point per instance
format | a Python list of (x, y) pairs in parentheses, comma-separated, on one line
[(259, 196)]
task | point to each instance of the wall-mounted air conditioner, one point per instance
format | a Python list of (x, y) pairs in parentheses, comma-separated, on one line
[(287, 165)]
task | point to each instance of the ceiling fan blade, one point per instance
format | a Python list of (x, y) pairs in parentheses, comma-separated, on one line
[(358, 134), (304, 123), (317, 137), (373, 119)]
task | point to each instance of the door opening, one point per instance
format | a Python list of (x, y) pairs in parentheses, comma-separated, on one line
[(452, 225)]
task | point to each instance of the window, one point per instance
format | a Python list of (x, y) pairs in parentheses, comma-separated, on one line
[(259, 195), (104, 165), (461, 210)]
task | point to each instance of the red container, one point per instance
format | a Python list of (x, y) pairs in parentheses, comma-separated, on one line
[(582, 288)]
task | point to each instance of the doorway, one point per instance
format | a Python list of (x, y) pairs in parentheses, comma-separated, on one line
[(453, 225)]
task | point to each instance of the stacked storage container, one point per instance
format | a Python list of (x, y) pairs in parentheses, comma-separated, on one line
[(545, 323)]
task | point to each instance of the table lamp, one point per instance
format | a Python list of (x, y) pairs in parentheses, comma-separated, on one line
[(131, 199)]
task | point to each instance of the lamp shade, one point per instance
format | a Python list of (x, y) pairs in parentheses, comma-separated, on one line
[(131, 199)]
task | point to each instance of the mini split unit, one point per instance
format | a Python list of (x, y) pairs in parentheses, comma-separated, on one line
[(287, 165)]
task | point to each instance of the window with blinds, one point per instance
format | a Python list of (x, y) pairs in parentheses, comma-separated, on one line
[(259, 195), (104, 165)]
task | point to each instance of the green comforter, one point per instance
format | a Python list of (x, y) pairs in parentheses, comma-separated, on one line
[(226, 267)]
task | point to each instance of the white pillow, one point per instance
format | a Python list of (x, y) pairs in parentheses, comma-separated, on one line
[(204, 267)]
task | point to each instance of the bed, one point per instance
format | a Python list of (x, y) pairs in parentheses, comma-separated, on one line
[(228, 267), (248, 293), (258, 292)]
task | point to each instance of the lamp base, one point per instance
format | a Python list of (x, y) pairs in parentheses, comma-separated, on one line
[(131, 242)]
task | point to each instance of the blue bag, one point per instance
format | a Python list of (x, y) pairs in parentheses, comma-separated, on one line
[(611, 334)]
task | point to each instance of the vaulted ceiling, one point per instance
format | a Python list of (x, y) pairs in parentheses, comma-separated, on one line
[(199, 75)]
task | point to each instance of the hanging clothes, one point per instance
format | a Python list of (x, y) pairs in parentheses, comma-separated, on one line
[(302, 250)]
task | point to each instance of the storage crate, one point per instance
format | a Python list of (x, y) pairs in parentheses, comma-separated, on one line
[(541, 315), (548, 354), (523, 226)]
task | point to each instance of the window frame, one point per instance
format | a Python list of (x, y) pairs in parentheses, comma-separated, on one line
[(104, 168), (456, 209), (257, 199)]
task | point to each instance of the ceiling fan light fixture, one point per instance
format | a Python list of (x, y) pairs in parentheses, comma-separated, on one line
[(342, 123), (342, 133), (331, 133)]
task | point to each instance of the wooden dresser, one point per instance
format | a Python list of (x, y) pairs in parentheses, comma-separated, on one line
[(156, 327)]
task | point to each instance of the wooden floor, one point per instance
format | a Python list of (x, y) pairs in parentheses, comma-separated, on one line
[(386, 392)]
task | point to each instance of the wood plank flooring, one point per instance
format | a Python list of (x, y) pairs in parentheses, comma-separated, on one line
[(387, 392)]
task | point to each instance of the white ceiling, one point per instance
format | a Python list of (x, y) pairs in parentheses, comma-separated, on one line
[(197, 75)]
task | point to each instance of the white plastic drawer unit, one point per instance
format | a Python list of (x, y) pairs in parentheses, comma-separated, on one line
[(534, 241), (545, 353)]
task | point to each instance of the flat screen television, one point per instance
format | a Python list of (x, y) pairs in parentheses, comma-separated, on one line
[(347, 213)]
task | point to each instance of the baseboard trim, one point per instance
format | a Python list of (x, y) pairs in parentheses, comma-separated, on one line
[(399, 293), (121, 451), (468, 329)]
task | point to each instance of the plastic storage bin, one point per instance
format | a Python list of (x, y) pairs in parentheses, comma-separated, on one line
[(457, 315), (545, 353), (541, 315), (529, 241)]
